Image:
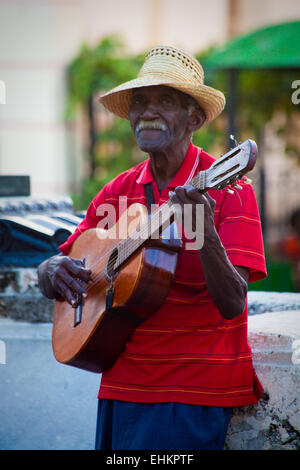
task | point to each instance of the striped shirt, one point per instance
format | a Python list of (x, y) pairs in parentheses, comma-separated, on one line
[(187, 352)]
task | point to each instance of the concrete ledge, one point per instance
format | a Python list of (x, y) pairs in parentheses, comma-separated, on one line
[(273, 423), (32, 308), (20, 298), (261, 302)]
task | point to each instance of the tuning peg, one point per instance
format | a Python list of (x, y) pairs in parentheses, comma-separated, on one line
[(229, 191), (247, 180), (232, 141)]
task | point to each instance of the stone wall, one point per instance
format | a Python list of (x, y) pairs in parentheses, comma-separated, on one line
[(20, 297), (274, 335), (273, 423)]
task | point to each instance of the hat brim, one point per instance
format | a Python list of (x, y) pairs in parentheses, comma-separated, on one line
[(118, 100)]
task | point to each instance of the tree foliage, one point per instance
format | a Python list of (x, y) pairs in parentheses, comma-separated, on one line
[(98, 68), (113, 150), (261, 93)]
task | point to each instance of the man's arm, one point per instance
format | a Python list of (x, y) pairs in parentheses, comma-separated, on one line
[(58, 276), (226, 284)]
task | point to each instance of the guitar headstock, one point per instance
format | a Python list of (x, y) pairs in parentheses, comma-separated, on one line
[(230, 167)]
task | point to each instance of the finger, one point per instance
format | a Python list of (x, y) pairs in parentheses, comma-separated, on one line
[(193, 193), (181, 195), (67, 294), (200, 198), (76, 269), (79, 262), (189, 195), (62, 278), (174, 198), (73, 284)]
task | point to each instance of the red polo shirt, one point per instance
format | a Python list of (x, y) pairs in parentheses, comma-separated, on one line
[(187, 352)]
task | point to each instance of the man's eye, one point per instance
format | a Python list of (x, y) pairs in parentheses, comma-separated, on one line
[(137, 100), (167, 101)]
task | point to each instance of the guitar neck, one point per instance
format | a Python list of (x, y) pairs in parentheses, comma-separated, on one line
[(159, 219), (225, 170), (157, 222)]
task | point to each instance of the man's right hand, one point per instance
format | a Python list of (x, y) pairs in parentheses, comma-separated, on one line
[(60, 276)]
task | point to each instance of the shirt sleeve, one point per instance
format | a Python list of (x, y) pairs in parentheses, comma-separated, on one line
[(90, 221), (239, 229)]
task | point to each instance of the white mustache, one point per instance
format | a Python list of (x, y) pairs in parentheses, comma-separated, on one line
[(153, 124)]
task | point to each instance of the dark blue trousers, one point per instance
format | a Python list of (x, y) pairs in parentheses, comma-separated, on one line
[(160, 426)]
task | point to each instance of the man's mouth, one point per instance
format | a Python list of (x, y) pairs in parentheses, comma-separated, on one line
[(154, 124)]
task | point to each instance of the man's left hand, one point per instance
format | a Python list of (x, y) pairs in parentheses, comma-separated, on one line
[(190, 195)]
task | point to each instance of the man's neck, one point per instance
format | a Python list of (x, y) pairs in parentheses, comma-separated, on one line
[(165, 164)]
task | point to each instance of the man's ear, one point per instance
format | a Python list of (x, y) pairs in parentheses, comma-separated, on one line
[(196, 119)]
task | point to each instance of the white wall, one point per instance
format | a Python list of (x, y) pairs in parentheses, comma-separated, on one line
[(39, 37), (37, 40), (256, 14)]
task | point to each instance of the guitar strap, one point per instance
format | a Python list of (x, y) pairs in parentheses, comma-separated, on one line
[(149, 194), (110, 292)]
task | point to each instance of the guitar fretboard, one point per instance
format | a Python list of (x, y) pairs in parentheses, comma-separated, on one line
[(158, 221), (222, 172)]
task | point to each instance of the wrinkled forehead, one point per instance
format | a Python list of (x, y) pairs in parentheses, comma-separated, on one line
[(161, 89)]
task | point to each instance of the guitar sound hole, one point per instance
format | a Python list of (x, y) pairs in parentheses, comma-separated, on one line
[(111, 270)]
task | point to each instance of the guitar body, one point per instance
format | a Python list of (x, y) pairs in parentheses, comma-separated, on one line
[(140, 288)]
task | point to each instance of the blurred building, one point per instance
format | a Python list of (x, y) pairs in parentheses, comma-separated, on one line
[(39, 37)]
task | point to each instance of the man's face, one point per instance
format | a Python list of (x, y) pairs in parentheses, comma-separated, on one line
[(159, 117)]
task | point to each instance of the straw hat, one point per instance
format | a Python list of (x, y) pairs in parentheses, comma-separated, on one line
[(171, 67)]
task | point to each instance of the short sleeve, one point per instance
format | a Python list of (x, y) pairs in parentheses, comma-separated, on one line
[(239, 228), (90, 221)]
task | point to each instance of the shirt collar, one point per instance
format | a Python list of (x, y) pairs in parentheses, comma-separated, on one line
[(184, 175)]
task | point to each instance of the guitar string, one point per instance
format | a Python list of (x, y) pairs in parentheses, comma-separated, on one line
[(128, 249), (141, 235), (144, 232)]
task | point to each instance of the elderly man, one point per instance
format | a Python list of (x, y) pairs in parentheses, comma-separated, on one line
[(184, 368)]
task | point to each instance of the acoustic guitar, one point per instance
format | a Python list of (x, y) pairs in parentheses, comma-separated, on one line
[(131, 274)]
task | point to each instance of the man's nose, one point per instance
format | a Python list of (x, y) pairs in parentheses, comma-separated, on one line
[(150, 111)]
